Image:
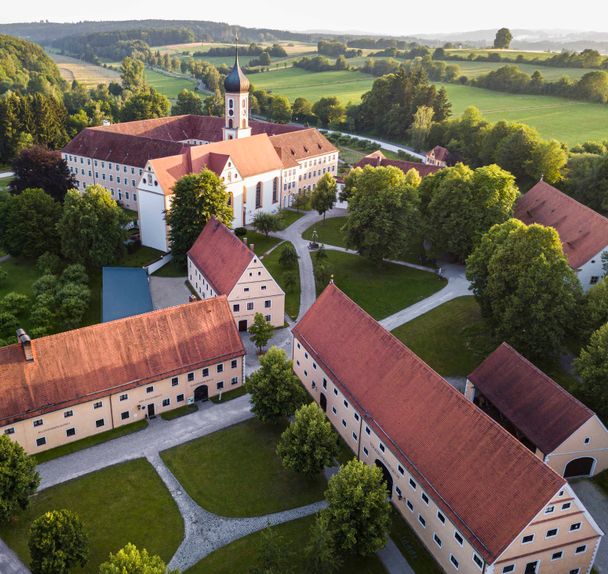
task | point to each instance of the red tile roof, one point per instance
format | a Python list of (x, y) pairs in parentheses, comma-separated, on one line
[(583, 232), (439, 153), (484, 479), (220, 256), (542, 410), (302, 144), (134, 143), (89, 363), (377, 159)]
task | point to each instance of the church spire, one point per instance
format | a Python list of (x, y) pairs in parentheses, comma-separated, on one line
[(236, 82)]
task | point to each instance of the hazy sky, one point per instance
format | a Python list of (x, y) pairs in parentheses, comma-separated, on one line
[(386, 17)]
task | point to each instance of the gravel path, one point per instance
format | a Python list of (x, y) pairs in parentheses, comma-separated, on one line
[(9, 562), (168, 291), (205, 531)]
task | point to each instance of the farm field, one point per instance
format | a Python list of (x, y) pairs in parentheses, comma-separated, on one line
[(168, 85), (88, 74), (528, 55)]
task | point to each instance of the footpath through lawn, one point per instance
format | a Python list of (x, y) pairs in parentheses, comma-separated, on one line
[(119, 504), (236, 472)]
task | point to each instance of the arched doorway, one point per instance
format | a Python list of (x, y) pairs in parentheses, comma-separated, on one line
[(388, 477), (201, 393), (323, 402), (579, 467)]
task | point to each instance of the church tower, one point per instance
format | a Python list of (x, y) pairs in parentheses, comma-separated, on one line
[(236, 112)]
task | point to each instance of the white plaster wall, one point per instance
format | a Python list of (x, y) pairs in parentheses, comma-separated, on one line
[(593, 268)]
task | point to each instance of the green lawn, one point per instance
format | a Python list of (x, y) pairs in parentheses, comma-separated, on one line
[(168, 85), (380, 289), (179, 412), (261, 242), (241, 555), (21, 275), (171, 269), (289, 216), (4, 182), (90, 441), (328, 231), (412, 548), (236, 472), (292, 295), (142, 257), (229, 395), (120, 504), (454, 338)]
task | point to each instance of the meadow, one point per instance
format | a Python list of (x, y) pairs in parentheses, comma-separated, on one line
[(88, 74), (168, 85)]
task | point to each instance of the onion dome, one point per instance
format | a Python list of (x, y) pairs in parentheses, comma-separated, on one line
[(236, 81)]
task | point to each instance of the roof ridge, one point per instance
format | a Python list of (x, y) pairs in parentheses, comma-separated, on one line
[(571, 200)]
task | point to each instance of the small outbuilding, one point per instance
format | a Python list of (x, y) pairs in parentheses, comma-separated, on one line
[(125, 293), (561, 430)]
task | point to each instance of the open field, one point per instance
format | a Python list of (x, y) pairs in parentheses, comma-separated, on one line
[(242, 456), (86, 73), (120, 504), (241, 555), (513, 54), (168, 85)]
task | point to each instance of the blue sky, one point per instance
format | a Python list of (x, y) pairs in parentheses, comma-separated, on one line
[(386, 17)]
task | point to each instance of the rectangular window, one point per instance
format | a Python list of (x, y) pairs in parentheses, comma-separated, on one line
[(575, 526), (365, 451), (477, 560), (336, 393), (424, 497), (220, 368), (557, 555), (180, 398), (149, 389), (205, 372), (249, 306), (234, 381), (9, 431), (123, 397), (220, 385), (38, 423), (398, 491), (566, 505), (333, 410), (527, 539), (269, 318), (166, 402), (124, 416), (422, 520), (343, 423), (40, 441), (234, 364), (409, 504), (508, 568), (441, 517), (174, 381), (458, 537), (355, 436), (68, 414), (454, 561), (580, 549), (99, 423), (400, 469), (236, 307), (437, 540), (346, 404), (381, 447), (70, 432), (412, 483), (267, 304), (551, 533), (549, 509), (97, 405), (367, 431), (191, 377)]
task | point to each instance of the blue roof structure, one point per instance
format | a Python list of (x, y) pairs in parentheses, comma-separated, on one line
[(125, 292)]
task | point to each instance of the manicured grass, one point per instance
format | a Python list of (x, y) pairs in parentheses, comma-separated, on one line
[(380, 289), (350, 155), (292, 295), (229, 395), (236, 472), (171, 269), (179, 412), (241, 555), (90, 441), (168, 85), (21, 274), (412, 548), (142, 257), (289, 216), (261, 242), (120, 504), (328, 231), (4, 182), (452, 338)]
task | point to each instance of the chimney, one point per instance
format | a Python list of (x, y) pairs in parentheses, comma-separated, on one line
[(252, 247), (26, 344)]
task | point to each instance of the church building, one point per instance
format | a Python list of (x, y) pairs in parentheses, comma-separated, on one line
[(262, 164)]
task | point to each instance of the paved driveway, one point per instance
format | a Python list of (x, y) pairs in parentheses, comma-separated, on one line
[(168, 291)]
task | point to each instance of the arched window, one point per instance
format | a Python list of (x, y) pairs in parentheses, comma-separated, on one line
[(258, 195), (230, 123), (231, 103), (275, 190)]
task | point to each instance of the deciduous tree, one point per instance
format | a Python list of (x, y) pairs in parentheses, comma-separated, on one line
[(523, 282), (91, 227), (131, 560), (358, 512), (321, 552), (39, 167), (144, 105), (596, 306), (58, 543), (309, 443), (197, 197), (132, 74), (266, 222), (188, 102), (330, 111), (260, 331), (19, 479), (592, 366), (503, 39), (324, 195), (421, 126), (275, 390)]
